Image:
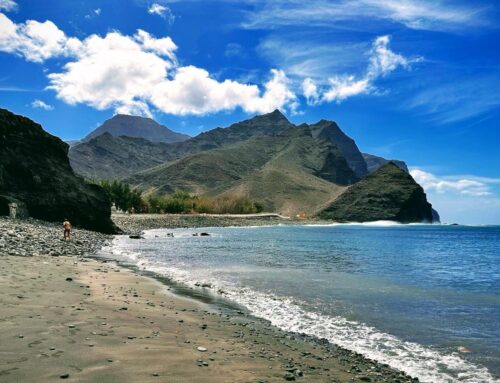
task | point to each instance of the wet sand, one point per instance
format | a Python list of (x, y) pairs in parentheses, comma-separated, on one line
[(85, 320)]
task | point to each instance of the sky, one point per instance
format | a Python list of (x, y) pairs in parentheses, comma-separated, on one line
[(416, 80)]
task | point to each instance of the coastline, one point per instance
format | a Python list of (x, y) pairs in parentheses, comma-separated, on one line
[(92, 319)]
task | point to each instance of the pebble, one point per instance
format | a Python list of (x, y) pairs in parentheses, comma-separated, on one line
[(30, 237), (201, 349)]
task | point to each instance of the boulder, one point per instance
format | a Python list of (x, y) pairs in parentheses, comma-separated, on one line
[(35, 172)]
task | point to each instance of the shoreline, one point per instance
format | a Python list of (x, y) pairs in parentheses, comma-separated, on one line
[(148, 331)]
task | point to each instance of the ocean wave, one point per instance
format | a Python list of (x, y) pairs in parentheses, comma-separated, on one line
[(425, 363)]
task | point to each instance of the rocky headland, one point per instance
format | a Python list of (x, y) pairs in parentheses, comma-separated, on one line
[(35, 173)]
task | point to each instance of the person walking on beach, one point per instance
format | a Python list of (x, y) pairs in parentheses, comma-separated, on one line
[(67, 229)]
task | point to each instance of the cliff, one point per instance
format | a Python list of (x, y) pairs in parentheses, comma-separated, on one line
[(35, 170)]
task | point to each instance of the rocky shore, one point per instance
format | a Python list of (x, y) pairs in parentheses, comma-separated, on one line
[(32, 237), (135, 223)]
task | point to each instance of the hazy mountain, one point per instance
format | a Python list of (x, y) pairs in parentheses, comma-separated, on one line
[(374, 162), (135, 126)]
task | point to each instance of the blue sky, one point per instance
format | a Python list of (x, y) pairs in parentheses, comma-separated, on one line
[(416, 80)]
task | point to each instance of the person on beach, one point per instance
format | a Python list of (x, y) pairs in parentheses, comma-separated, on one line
[(67, 229)]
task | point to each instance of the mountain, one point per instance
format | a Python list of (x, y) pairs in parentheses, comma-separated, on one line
[(389, 193), (35, 173), (329, 130), (108, 157), (135, 126), (374, 162), (99, 157), (311, 169), (287, 173)]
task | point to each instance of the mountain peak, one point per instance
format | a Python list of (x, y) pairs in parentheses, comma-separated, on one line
[(275, 116), (137, 127)]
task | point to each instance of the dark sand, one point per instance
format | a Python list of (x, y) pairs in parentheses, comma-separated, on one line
[(85, 320)]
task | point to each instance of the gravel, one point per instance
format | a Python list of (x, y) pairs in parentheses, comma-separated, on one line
[(32, 237)]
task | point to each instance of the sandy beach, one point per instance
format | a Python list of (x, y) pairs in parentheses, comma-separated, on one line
[(88, 320)]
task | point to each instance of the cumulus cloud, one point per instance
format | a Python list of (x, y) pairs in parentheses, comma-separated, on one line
[(193, 91), (8, 5), (133, 73), (460, 185), (35, 41), (39, 104), (382, 61)]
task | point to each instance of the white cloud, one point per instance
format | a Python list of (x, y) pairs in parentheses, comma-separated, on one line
[(414, 14), (310, 91), (8, 5), (35, 41), (461, 198), (39, 104), (193, 91), (97, 11), (114, 71), (382, 61), (441, 185), (133, 73), (306, 55), (162, 11)]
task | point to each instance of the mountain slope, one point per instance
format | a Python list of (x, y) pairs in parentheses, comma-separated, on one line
[(118, 157), (288, 173), (135, 126), (329, 130), (387, 194), (108, 157), (35, 172)]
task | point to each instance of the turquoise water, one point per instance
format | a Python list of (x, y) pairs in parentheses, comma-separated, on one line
[(422, 298)]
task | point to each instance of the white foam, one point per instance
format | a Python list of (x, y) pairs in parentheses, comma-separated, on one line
[(427, 364)]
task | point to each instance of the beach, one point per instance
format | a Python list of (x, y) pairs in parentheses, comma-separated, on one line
[(89, 320)]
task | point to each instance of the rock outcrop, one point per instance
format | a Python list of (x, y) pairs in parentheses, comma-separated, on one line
[(389, 194), (35, 170), (136, 126)]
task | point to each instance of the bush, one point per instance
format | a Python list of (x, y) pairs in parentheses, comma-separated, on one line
[(182, 202), (123, 196)]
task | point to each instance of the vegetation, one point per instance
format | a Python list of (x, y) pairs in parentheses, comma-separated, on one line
[(180, 202), (123, 196)]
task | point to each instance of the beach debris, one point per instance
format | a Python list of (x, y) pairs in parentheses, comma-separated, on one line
[(202, 349), (64, 376)]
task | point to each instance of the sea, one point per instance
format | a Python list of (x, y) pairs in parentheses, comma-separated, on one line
[(424, 299)]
